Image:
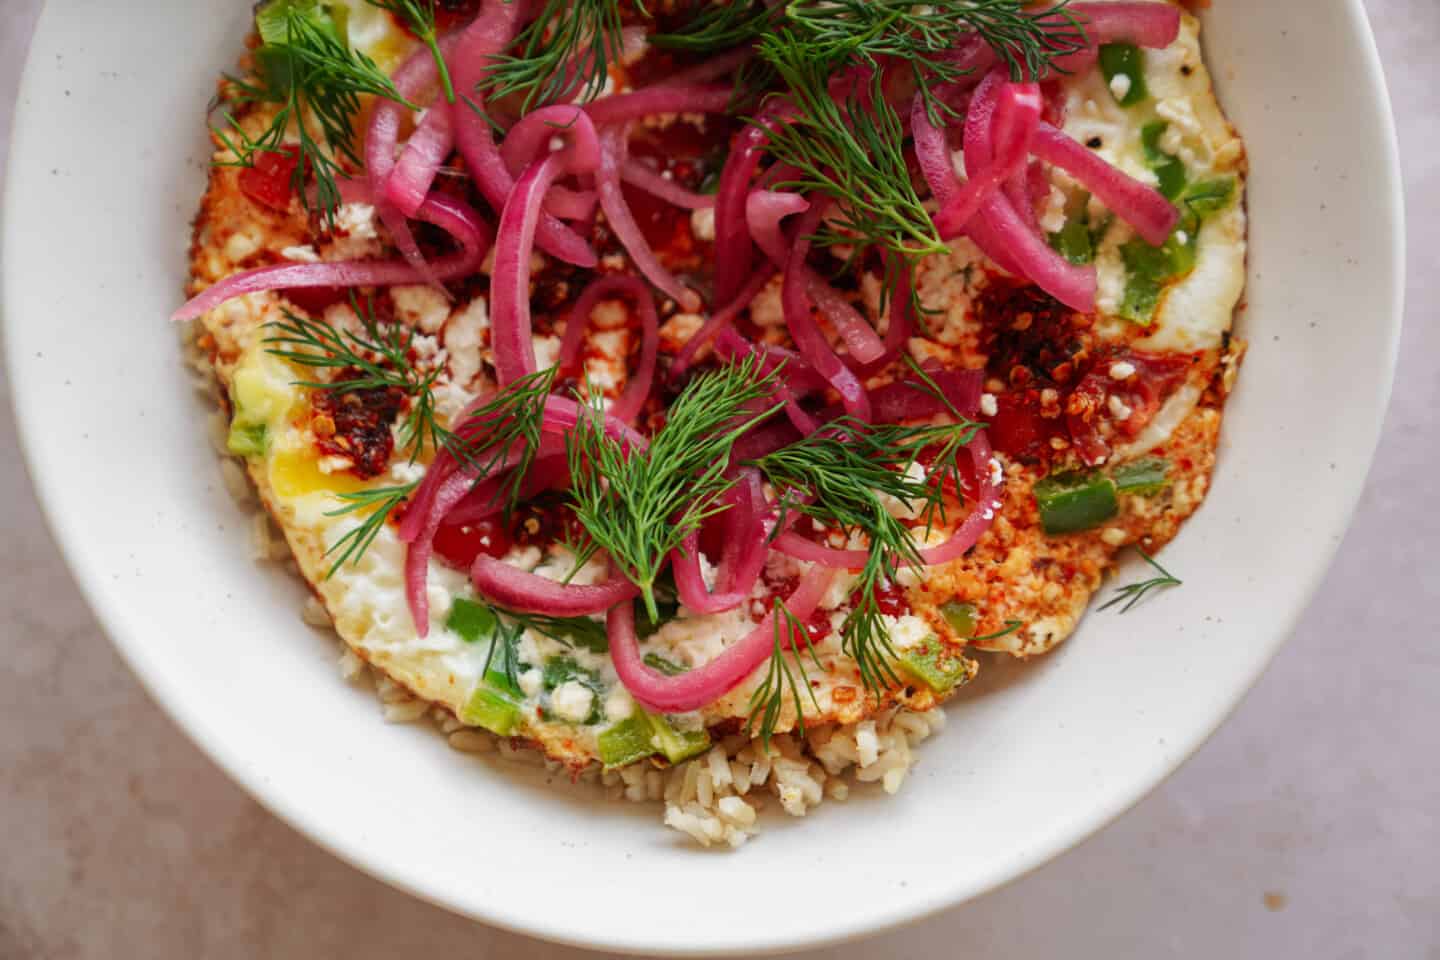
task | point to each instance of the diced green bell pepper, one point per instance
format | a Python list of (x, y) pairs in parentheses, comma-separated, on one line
[(1128, 61), (472, 621), (1208, 197), (1150, 268), (1076, 240), (962, 617), (248, 439), (1142, 477), (495, 710), (642, 734), (1082, 500), (936, 666), (1168, 169), (678, 745), (627, 741), (1076, 501)]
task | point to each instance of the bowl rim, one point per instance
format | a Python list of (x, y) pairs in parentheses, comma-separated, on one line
[(105, 603)]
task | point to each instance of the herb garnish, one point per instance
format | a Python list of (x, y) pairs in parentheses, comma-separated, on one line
[(638, 505), (419, 16), (377, 503), (1133, 593), (1010, 627), (565, 53), (768, 700), (849, 147), (306, 67), (844, 476)]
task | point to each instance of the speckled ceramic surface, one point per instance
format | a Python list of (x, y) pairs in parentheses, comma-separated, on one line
[(59, 746)]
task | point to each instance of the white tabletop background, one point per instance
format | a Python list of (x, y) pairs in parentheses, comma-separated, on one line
[(1308, 827)]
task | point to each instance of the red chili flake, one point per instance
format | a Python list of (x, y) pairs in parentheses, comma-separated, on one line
[(358, 425)]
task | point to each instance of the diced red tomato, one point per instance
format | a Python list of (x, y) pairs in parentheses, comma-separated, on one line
[(314, 300), (1017, 429), (269, 181), (461, 544)]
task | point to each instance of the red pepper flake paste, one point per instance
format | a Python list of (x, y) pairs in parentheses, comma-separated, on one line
[(1059, 378), (356, 424)]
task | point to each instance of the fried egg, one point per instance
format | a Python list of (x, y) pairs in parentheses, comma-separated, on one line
[(1015, 573)]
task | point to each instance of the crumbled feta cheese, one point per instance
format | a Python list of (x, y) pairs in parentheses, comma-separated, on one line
[(357, 220), (240, 245), (1113, 536), (618, 704), (531, 681), (702, 223), (1118, 409), (1180, 112), (838, 593), (1182, 237), (421, 306), (304, 253), (572, 701), (1122, 370), (462, 340), (404, 471), (547, 351), (997, 472), (525, 557), (1052, 217), (907, 631), (988, 406), (1120, 85)]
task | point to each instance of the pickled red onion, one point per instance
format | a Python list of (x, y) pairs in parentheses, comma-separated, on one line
[(637, 174), (708, 682), (487, 35), (451, 215), (531, 593), (1140, 205), (511, 334), (622, 221)]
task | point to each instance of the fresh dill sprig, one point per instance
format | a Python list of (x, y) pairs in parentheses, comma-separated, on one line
[(419, 16), (873, 33), (848, 144), (851, 150), (846, 476), (1133, 593), (377, 504), (717, 26), (306, 68), (768, 701), (668, 667), (504, 430), (638, 505), (570, 631), (1010, 627), (372, 359), (565, 53)]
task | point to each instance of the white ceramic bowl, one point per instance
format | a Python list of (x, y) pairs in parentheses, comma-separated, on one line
[(107, 165)]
